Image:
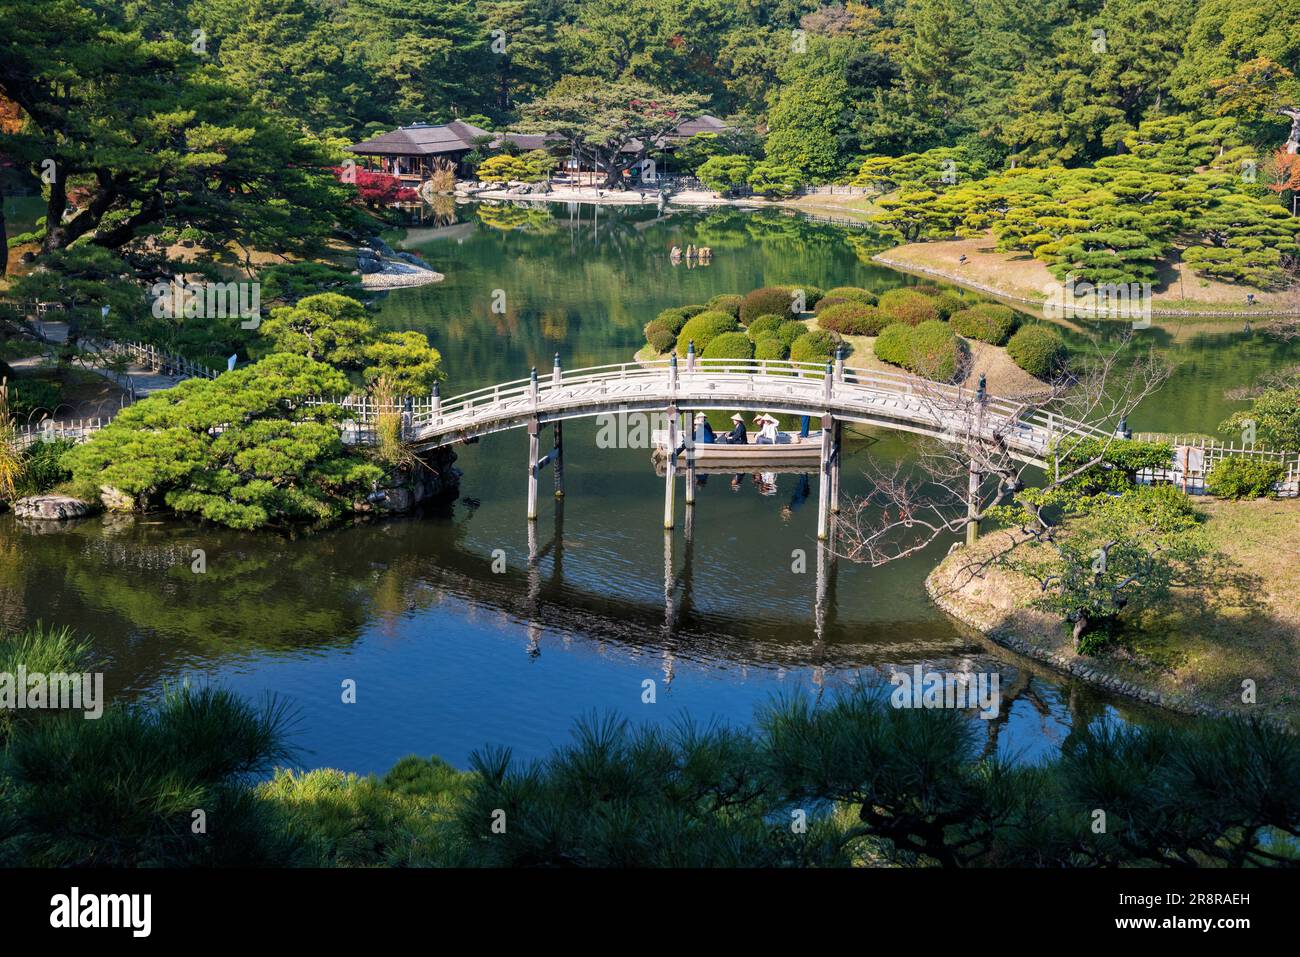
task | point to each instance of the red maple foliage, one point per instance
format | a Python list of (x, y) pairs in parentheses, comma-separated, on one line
[(1286, 171), (376, 189)]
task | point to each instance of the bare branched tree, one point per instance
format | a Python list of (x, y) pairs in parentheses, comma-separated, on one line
[(987, 447)]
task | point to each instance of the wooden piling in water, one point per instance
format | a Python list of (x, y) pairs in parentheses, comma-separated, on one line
[(837, 453), (670, 473), (972, 504), (557, 458), (824, 485), (534, 429), (689, 425)]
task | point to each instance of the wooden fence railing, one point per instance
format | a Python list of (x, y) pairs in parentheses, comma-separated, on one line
[(1195, 456)]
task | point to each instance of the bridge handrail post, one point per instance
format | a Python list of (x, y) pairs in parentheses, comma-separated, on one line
[(839, 364), (690, 356), (829, 380), (556, 372), (672, 374), (532, 385)]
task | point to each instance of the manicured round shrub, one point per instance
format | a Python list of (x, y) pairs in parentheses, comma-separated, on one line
[(930, 349), (894, 344), (1242, 478), (825, 302), (936, 351), (728, 303), (987, 322), (673, 319), (927, 289), (815, 346), (909, 306), (765, 325), (949, 302), (729, 345), (856, 293), (852, 319), (1038, 350), (702, 329), (770, 347), (660, 339), (788, 332), (658, 325), (811, 294), (770, 300), (694, 309)]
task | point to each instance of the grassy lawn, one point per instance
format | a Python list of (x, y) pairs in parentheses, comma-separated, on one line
[(1020, 276), (1204, 642)]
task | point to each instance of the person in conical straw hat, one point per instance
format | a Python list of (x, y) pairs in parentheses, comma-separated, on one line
[(738, 434), (703, 431)]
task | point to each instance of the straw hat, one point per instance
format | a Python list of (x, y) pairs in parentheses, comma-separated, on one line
[(737, 418), (701, 417)]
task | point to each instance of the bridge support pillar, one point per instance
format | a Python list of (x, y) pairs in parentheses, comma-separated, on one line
[(534, 443), (670, 470), (557, 458), (689, 425), (836, 453), (973, 480), (824, 485)]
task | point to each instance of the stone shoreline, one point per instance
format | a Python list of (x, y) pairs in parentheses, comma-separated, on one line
[(1090, 670), (958, 280)]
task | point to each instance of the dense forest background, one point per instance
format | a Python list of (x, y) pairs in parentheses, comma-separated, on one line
[(1051, 80), (214, 119)]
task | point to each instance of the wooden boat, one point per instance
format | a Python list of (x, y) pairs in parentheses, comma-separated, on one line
[(790, 446)]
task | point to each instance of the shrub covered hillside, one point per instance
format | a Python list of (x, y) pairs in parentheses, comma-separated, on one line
[(766, 323)]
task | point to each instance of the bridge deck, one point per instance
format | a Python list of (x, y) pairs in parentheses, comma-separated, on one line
[(893, 400)]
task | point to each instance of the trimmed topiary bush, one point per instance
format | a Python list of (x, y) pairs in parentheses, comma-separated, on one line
[(825, 302), (789, 331), (1038, 350), (815, 346), (770, 300), (765, 325), (702, 329), (728, 303), (659, 338), (936, 351), (770, 347), (730, 345), (987, 322), (908, 306), (852, 319), (855, 293), (930, 349), (811, 294), (894, 344), (673, 319), (949, 302), (1242, 478)]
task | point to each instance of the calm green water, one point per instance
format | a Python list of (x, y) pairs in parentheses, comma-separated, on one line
[(449, 654)]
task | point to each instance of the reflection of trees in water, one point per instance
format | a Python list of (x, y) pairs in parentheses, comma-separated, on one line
[(268, 595), (534, 217), (442, 210)]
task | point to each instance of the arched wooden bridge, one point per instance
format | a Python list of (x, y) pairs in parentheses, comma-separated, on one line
[(831, 392)]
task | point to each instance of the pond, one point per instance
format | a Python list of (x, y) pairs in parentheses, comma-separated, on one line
[(455, 639)]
